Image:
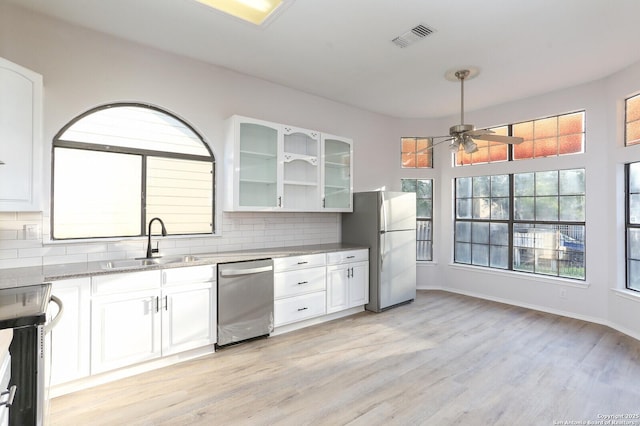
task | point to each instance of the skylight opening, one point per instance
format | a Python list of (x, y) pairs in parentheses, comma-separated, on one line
[(257, 12)]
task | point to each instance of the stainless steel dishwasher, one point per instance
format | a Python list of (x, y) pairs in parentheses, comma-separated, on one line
[(245, 300)]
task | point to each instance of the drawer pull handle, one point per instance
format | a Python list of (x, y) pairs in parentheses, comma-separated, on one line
[(302, 263), (302, 309), (303, 282), (350, 257)]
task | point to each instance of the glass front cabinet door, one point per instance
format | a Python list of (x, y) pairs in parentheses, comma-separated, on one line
[(337, 177), (251, 159)]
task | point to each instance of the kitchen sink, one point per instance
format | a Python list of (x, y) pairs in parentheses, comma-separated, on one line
[(141, 263)]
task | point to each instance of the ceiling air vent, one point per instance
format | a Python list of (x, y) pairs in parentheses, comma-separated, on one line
[(414, 34)]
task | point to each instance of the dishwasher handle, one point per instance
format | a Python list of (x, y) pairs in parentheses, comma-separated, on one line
[(247, 271)]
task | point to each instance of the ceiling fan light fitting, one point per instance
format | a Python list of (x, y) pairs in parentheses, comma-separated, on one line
[(469, 145)]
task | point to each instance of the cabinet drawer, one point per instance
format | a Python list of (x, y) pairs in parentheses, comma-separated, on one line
[(298, 308), (189, 275), (292, 283), (122, 283), (347, 256), (298, 262)]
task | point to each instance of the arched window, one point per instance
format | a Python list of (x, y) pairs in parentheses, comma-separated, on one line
[(117, 166)]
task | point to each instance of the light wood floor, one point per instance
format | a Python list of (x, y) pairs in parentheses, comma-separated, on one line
[(445, 359)]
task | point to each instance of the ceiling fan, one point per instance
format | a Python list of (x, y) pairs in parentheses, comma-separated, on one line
[(462, 135)]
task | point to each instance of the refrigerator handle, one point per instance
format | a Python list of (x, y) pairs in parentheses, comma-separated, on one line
[(383, 235), (384, 213)]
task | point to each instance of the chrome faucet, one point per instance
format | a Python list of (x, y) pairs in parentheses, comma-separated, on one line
[(150, 251)]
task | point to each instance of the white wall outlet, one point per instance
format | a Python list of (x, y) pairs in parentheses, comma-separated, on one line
[(563, 293)]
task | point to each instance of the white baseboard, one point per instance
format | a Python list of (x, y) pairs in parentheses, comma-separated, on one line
[(595, 320)]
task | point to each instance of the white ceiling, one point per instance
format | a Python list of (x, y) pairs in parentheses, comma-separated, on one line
[(342, 49)]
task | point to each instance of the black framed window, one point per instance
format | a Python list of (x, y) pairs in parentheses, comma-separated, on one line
[(529, 222), (562, 134), (423, 189), (119, 165), (632, 177)]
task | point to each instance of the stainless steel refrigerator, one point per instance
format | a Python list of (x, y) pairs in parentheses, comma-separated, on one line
[(385, 222)]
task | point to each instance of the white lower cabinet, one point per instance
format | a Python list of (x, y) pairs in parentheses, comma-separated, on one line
[(299, 288), (347, 279), (141, 316), (70, 338), (125, 320), (189, 308)]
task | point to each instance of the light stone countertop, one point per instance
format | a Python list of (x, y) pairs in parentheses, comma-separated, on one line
[(19, 277)]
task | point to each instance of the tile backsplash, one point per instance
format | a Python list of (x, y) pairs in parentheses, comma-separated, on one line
[(21, 238)]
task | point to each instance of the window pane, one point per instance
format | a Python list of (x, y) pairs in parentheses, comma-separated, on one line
[(547, 183), (633, 278), (634, 208), (480, 254), (463, 232), (464, 188), (93, 201), (523, 150), (138, 127), (180, 192), (423, 230), (481, 186), (634, 177), (416, 152), (424, 208), (499, 257), (409, 185), (481, 208), (424, 250), (409, 160), (569, 124), (524, 208), (524, 184), (498, 152), (424, 188), (480, 233), (572, 208), (500, 208), (633, 133), (547, 208), (463, 253), (572, 144), (499, 234), (633, 243), (524, 130), (463, 208), (408, 144), (500, 186), (632, 120), (423, 161), (572, 182), (545, 128), (546, 147)]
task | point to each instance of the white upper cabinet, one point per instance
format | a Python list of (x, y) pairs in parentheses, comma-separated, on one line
[(20, 138), (252, 173), (275, 167), (337, 176)]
